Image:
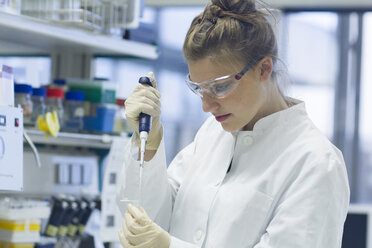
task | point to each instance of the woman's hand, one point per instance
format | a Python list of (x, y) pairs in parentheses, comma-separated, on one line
[(140, 231), (145, 99)]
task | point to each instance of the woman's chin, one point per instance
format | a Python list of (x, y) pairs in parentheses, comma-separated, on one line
[(229, 128)]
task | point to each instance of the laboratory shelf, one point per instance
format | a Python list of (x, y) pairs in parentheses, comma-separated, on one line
[(48, 37), (72, 139)]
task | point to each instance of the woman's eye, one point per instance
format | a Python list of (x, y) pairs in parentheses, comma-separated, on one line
[(222, 87), (195, 87)]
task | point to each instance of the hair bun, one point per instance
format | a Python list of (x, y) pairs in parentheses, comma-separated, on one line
[(236, 6)]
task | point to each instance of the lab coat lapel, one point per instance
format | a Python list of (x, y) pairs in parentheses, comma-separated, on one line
[(196, 195), (217, 158)]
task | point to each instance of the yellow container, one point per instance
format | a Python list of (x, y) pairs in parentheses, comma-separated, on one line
[(15, 245), (20, 225)]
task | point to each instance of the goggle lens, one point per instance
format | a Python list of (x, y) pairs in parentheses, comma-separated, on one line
[(215, 88), (223, 87)]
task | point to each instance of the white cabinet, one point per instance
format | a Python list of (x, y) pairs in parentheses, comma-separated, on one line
[(72, 50), (23, 34)]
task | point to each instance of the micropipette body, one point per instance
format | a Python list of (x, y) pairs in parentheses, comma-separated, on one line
[(144, 123), (144, 129)]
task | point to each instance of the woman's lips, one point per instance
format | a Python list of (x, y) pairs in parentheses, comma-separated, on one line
[(221, 118)]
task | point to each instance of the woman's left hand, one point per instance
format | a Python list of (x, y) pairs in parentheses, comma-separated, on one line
[(140, 231)]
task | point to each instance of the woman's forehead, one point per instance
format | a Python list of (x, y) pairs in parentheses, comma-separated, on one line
[(207, 69)]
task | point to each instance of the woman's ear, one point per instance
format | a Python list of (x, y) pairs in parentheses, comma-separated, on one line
[(266, 66)]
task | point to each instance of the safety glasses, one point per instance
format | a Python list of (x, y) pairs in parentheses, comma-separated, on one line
[(219, 87)]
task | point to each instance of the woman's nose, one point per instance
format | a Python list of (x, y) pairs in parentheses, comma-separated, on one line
[(209, 103)]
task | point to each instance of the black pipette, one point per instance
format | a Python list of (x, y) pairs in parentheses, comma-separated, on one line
[(144, 123)]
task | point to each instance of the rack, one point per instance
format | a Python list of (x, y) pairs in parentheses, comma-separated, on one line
[(49, 37), (102, 141)]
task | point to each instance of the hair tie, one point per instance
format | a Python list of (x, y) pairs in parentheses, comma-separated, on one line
[(212, 20)]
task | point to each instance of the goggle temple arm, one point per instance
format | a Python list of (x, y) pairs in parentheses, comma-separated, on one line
[(239, 75)]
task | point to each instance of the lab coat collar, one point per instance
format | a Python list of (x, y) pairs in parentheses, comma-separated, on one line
[(286, 117)]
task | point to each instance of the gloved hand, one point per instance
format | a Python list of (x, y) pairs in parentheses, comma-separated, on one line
[(140, 231), (145, 99)]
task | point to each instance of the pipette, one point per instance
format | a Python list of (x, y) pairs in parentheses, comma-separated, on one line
[(144, 129), (144, 124)]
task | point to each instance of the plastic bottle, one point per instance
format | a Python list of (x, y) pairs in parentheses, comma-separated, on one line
[(59, 83), (22, 96), (54, 102), (38, 102), (120, 123), (74, 111)]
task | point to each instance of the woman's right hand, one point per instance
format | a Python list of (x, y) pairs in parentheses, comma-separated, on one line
[(145, 99)]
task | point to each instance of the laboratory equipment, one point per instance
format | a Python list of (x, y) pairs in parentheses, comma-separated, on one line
[(77, 217), (115, 16), (95, 91), (60, 207), (11, 148), (63, 172), (144, 124), (358, 226), (121, 124), (22, 97), (54, 102), (11, 6), (144, 129), (18, 208), (90, 206), (99, 107), (59, 83), (99, 117), (86, 14), (113, 208), (38, 103), (73, 111), (6, 86), (66, 219), (20, 219)]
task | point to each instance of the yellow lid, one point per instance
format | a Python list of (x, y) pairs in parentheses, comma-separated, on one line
[(16, 245), (22, 226)]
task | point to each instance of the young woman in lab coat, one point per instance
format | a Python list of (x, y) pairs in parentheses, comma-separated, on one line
[(258, 173)]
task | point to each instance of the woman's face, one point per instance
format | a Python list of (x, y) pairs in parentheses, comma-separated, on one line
[(241, 108)]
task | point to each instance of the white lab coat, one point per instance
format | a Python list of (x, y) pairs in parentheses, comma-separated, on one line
[(287, 187)]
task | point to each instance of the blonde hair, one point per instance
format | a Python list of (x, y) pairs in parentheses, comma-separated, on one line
[(230, 29)]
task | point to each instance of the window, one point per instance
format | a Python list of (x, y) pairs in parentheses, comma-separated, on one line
[(329, 56), (364, 173), (311, 56), (124, 72), (29, 70)]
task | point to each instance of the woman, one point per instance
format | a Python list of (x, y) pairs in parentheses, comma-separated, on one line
[(258, 173)]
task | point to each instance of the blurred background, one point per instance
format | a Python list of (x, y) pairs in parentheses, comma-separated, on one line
[(325, 46)]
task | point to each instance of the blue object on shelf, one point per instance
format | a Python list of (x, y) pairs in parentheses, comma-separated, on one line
[(74, 96), (59, 81), (100, 119), (74, 111), (23, 88), (39, 92)]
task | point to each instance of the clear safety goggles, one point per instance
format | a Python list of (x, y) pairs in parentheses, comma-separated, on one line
[(221, 86)]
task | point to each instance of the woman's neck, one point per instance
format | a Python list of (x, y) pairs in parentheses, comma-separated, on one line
[(275, 102)]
